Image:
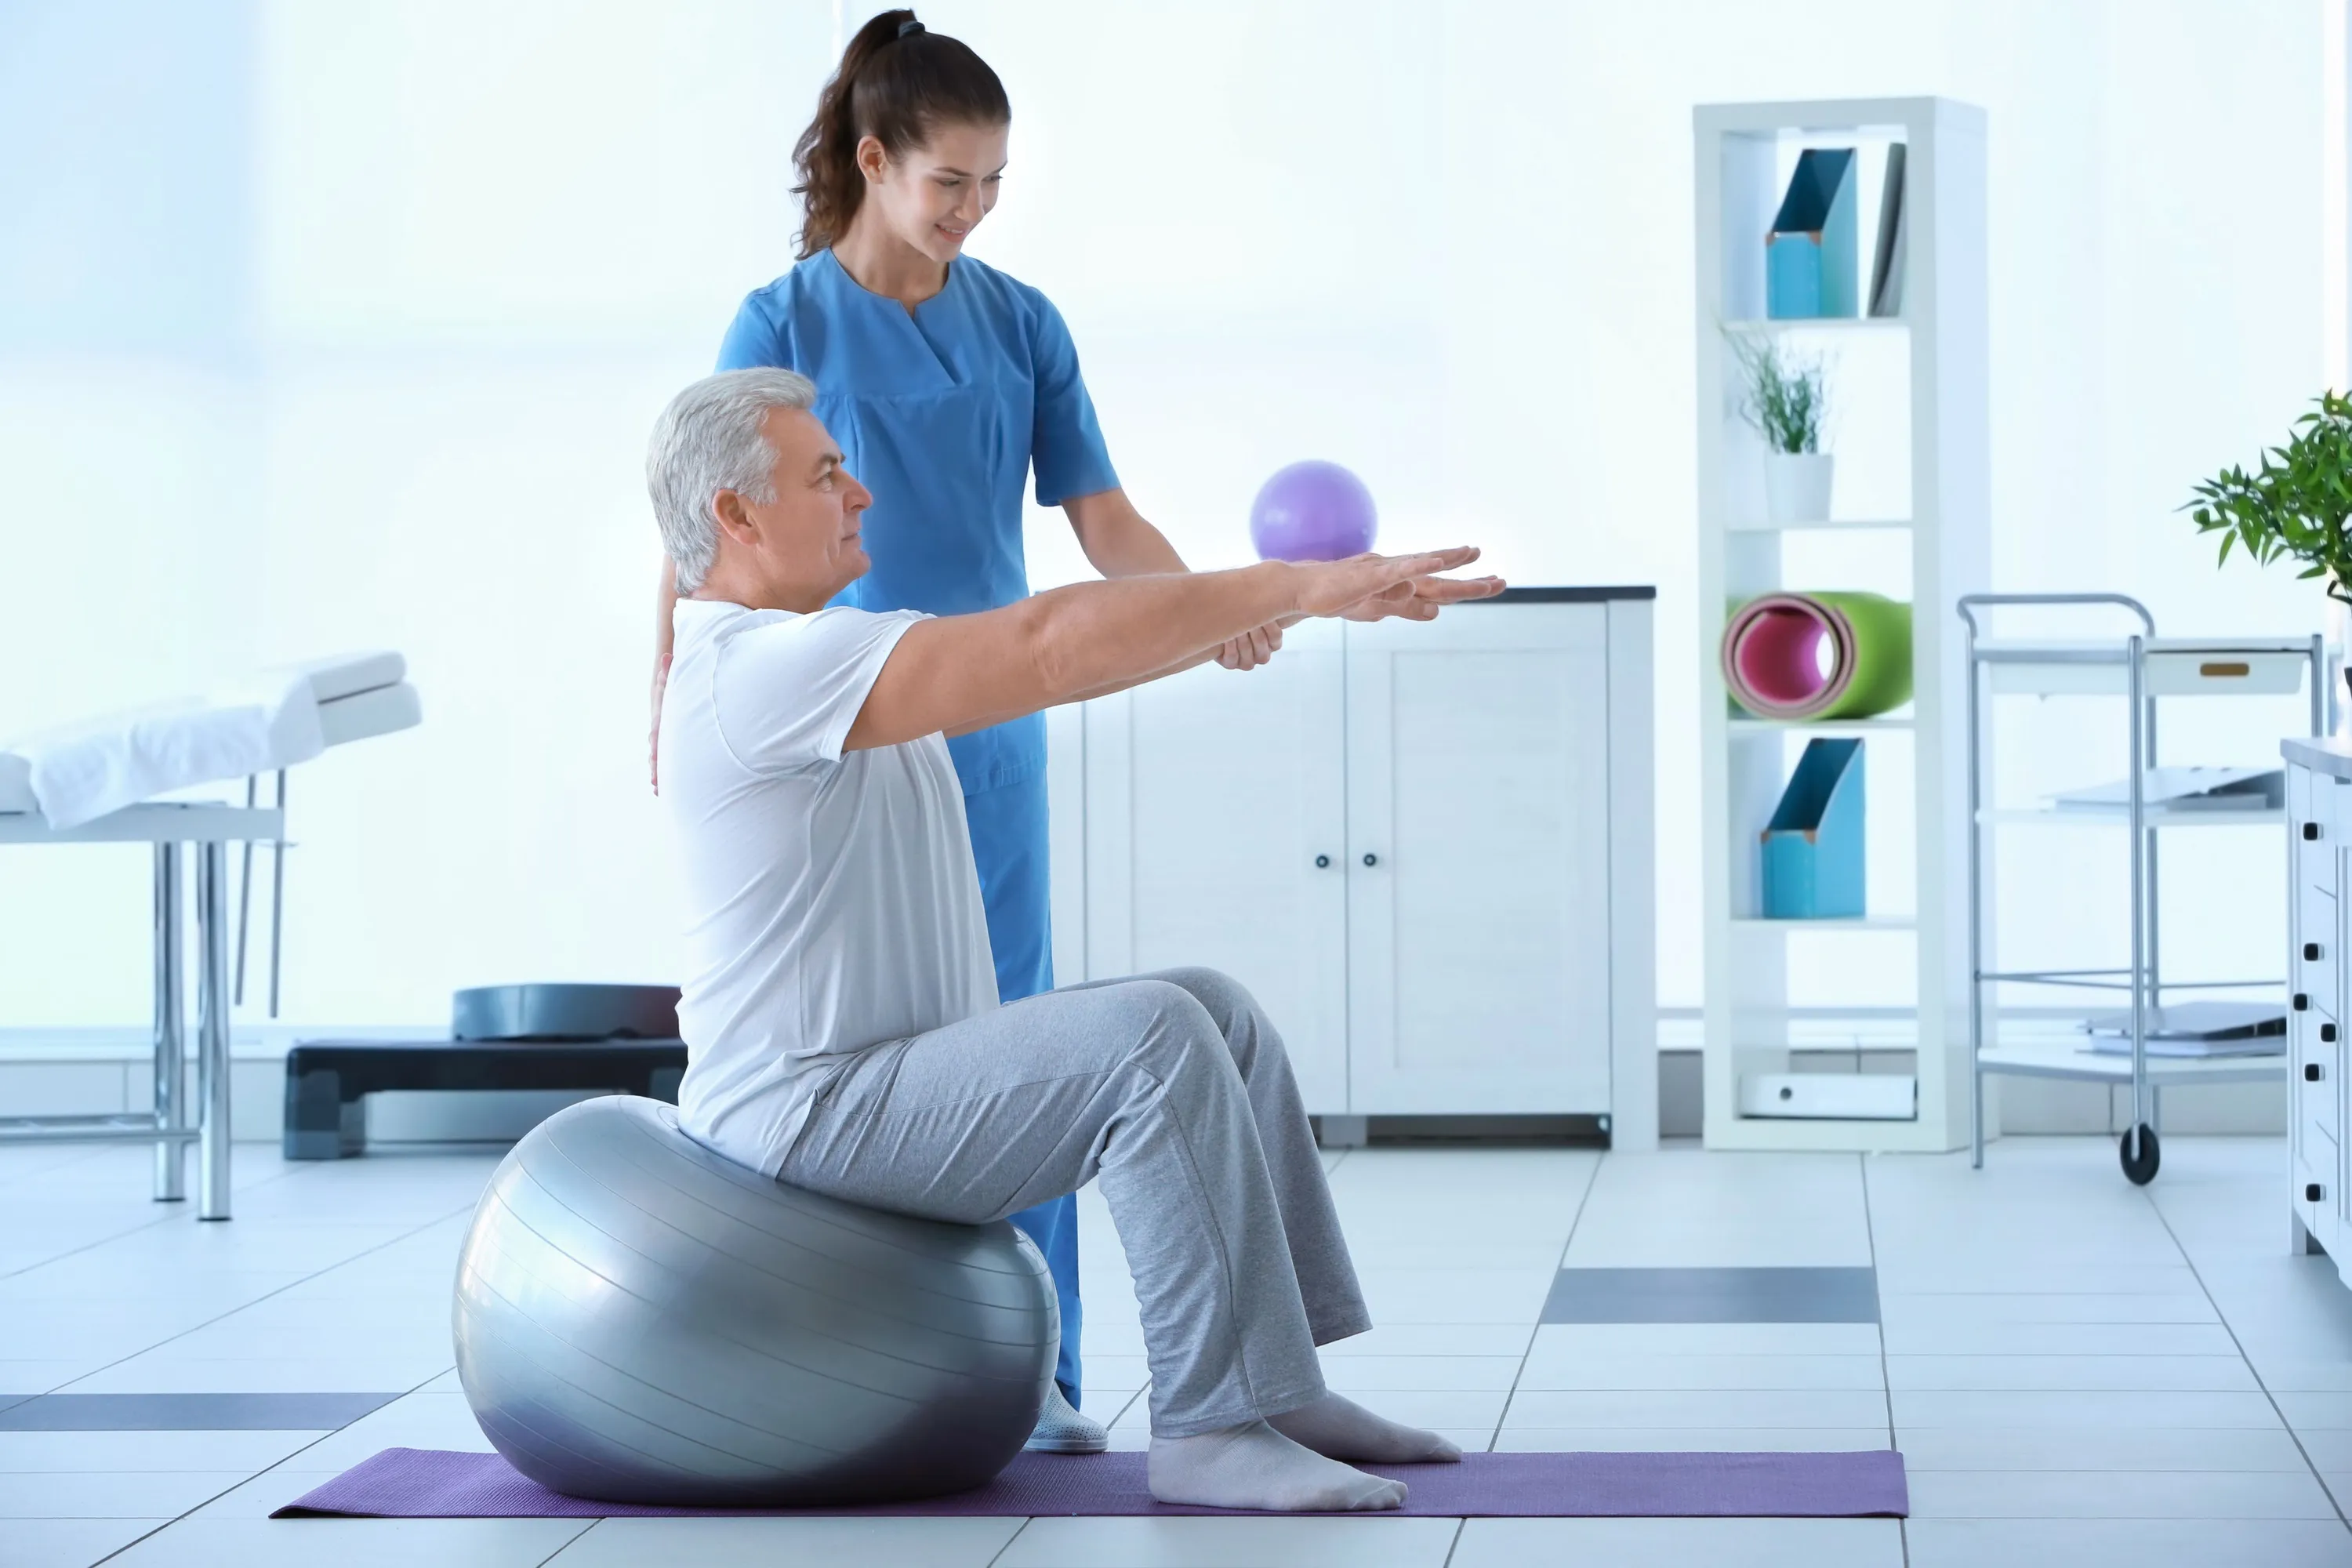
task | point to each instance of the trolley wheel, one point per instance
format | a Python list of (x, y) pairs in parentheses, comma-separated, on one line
[(2140, 1154)]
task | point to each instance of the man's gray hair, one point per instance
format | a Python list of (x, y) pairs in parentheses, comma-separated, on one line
[(709, 439)]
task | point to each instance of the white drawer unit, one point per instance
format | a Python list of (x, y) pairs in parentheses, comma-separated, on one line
[(2319, 853), (1425, 847)]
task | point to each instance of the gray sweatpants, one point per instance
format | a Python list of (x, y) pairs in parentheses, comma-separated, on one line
[(1175, 1089)]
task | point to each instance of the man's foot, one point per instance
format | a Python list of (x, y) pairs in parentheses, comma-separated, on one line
[(1062, 1430), (1340, 1428), (1257, 1467)]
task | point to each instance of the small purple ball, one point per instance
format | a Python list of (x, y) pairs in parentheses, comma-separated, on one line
[(1313, 510)]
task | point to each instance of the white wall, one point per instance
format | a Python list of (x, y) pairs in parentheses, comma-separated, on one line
[(343, 325)]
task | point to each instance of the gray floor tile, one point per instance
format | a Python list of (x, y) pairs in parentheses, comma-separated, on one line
[(2140, 1544), (2137, 1494), (767, 1542), (188, 1412), (1714, 1542), (1712, 1296)]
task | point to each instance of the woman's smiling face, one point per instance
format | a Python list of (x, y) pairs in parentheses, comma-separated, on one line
[(932, 198)]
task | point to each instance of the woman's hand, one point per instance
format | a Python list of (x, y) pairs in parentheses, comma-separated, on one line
[(1378, 588), (653, 745), (1251, 648)]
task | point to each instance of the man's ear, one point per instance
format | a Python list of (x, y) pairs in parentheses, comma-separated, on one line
[(734, 518)]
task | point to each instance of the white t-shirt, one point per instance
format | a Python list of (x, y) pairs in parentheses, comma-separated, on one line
[(831, 900)]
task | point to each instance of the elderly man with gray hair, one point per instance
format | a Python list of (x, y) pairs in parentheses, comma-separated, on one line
[(841, 1017)]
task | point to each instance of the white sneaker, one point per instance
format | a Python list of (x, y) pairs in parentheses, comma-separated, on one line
[(1062, 1430)]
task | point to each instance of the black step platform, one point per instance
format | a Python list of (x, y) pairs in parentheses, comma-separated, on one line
[(602, 1048)]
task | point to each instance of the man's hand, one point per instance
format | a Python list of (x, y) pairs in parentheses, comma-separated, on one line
[(1251, 648), (1380, 587)]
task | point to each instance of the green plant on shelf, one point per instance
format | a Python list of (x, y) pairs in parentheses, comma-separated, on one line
[(2298, 503), (1785, 396)]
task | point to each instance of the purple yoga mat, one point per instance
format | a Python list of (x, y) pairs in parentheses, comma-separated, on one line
[(424, 1483)]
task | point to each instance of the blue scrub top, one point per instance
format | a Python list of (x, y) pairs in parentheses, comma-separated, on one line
[(941, 414)]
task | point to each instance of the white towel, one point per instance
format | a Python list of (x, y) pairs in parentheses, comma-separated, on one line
[(80, 772)]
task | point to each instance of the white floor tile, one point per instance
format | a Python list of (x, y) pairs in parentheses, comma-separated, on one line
[(415, 1421), (2288, 1376), (1434, 1339), (156, 1372), (1439, 1372), (2071, 1373), (2059, 1338), (1231, 1543), (1913, 1309), (2316, 1412), (1552, 1370), (1681, 1209), (1648, 1542), (266, 1493), (1690, 1439), (1451, 1296), (124, 1494), (768, 1543), (1583, 1341), (1475, 1410), (1706, 1407), (1915, 1408), (2099, 1448), (69, 1543), (352, 1543), (2137, 1494), (2139, 1543), (135, 1451)]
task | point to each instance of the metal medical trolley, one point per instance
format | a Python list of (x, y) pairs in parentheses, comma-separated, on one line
[(2140, 667)]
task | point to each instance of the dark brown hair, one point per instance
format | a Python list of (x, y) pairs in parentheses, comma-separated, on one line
[(897, 84)]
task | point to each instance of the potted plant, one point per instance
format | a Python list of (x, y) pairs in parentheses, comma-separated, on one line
[(1785, 398), (2298, 504)]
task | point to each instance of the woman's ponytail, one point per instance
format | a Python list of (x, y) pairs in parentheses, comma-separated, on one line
[(898, 83)]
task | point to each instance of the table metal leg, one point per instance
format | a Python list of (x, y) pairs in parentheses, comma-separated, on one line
[(171, 1042), (212, 1033)]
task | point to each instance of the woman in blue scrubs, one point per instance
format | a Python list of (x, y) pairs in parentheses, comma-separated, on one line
[(946, 383)]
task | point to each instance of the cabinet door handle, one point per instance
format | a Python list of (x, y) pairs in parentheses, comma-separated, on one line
[(2311, 1194), (2311, 1073), (1372, 859), (2311, 952), (2310, 830), (2328, 1033), (2301, 1001), (1322, 862)]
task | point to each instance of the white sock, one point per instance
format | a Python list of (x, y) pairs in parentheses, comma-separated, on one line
[(1257, 1467), (1339, 1428)]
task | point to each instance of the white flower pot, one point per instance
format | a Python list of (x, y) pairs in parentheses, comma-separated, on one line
[(1797, 485)]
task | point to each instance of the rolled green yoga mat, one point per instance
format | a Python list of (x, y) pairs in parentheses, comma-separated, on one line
[(1772, 662)]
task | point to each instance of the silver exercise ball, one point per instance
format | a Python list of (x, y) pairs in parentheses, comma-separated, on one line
[(639, 1320)]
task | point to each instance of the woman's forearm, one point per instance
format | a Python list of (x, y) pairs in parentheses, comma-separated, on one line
[(1118, 540), (666, 613)]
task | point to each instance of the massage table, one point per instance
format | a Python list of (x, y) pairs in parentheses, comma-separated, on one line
[(88, 784)]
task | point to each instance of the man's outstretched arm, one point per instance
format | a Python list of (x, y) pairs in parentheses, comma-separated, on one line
[(959, 673)]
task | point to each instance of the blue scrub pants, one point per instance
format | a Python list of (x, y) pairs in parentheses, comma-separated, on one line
[(1009, 845)]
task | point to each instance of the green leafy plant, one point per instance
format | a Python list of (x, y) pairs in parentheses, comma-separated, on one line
[(1786, 395), (2298, 503)]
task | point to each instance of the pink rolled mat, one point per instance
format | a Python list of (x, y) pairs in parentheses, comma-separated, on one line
[(1774, 664)]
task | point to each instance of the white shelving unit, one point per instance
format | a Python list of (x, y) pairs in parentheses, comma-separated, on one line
[(1917, 381)]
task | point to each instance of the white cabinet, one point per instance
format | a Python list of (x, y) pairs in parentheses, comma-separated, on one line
[(2319, 835), (1426, 847)]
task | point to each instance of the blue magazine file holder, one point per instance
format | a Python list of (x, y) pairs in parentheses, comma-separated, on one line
[(1812, 848)]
